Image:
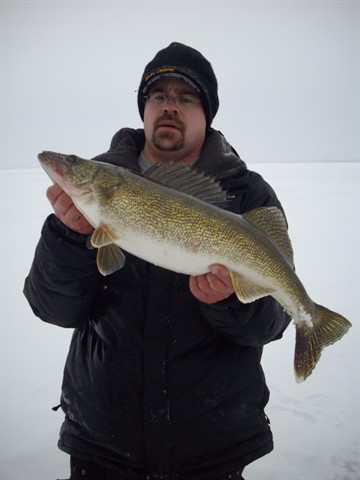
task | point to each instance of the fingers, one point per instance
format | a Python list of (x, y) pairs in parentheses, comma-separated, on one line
[(220, 279), (59, 200), (66, 211), (213, 286)]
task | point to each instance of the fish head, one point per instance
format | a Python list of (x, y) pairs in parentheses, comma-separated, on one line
[(73, 174)]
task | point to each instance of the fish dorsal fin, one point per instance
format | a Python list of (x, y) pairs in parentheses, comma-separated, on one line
[(272, 222), (188, 180)]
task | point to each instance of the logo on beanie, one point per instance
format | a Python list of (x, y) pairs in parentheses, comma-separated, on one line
[(159, 71)]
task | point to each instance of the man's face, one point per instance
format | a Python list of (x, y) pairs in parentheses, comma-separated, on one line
[(174, 129)]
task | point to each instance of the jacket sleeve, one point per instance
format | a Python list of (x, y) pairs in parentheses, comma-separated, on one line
[(264, 320), (63, 280), (253, 324)]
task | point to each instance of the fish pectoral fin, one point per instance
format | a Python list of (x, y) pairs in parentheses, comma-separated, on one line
[(272, 222), (328, 327), (247, 291), (106, 193), (109, 259), (103, 235)]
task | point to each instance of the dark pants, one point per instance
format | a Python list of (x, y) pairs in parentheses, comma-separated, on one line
[(82, 470)]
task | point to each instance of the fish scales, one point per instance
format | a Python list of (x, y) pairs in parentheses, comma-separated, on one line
[(195, 226), (183, 233)]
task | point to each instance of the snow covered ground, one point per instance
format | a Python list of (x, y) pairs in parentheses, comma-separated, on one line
[(315, 424)]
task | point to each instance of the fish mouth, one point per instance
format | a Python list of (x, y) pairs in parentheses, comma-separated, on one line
[(51, 159), (54, 164), (48, 156), (59, 168)]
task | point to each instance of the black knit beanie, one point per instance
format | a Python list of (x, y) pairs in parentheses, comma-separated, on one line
[(178, 60)]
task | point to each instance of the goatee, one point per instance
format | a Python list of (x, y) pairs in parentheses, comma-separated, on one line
[(168, 139)]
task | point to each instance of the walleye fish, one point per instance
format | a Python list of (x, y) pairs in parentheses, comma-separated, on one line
[(170, 216)]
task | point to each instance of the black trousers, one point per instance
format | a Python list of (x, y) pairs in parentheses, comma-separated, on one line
[(82, 470)]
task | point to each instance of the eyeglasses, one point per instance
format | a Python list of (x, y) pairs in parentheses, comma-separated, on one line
[(184, 100)]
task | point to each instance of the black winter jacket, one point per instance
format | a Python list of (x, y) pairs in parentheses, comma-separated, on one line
[(156, 383)]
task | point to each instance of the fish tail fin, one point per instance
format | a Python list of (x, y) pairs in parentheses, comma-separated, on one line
[(328, 327)]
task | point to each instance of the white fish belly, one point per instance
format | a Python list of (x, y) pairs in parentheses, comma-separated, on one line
[(162, 254), (165, 255)]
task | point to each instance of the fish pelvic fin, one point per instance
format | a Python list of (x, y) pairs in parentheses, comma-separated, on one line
[(103, 235), (328, 327), (246, 291), (109, 257)]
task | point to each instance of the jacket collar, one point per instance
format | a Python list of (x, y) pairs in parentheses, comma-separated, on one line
[(218, 158)]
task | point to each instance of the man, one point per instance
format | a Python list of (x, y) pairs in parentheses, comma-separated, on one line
[(163, 378)]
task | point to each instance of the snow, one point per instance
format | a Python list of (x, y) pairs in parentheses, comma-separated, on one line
[(315, 423)]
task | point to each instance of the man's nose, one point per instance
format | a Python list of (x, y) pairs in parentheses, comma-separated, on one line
[(170, 105)]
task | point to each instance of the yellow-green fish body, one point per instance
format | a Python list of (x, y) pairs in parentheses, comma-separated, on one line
[(179, 231)]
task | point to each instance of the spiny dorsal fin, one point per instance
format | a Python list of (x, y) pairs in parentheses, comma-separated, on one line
[(272, 222), (188, 180)]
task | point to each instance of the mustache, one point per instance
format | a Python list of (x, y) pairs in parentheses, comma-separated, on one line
[(169, 117)]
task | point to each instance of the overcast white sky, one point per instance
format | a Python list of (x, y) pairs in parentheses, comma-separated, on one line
[(288, 73)]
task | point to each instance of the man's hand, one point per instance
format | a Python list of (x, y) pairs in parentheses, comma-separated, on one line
[(66, 211), (212, 287)]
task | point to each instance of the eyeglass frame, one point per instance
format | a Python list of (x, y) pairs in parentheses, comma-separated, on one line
[(166, 98)]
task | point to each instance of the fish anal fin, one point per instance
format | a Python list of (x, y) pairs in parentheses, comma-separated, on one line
[(327, 328), (110, 259), (188, 180), (247, 291), (103, 235), (272, 222)]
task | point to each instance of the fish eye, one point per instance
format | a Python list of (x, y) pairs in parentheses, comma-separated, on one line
[(72, 158)]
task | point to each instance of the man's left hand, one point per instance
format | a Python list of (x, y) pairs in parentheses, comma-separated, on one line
[(212, 287)]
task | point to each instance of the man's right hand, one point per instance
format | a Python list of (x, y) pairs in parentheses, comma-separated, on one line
[(66, 211)]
